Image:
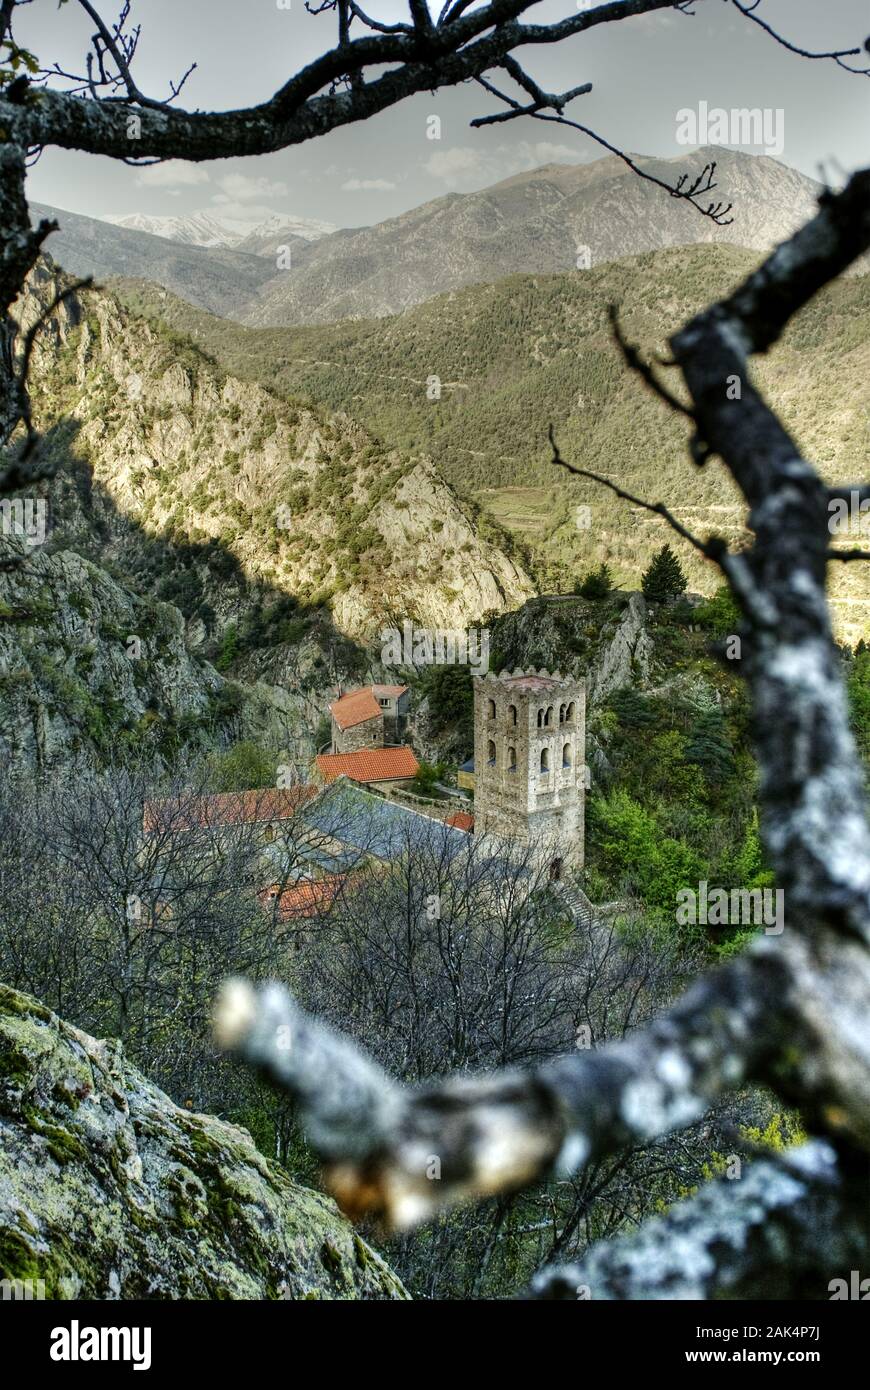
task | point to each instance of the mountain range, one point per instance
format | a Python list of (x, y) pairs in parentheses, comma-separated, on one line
[(472, 379), (547, 220), (202, 229)]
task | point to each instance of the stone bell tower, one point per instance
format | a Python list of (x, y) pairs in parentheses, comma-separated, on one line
[(530, 762)]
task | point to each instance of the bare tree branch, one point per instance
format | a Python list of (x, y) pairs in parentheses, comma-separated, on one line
[(836, 55)]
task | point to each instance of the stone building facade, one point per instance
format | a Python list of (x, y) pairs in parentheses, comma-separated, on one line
[(530, 762), (374, 716)]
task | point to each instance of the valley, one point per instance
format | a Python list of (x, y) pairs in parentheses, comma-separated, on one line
[(516, 355)]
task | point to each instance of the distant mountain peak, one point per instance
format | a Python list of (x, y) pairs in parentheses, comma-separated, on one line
[(195, 229), (203, 229)]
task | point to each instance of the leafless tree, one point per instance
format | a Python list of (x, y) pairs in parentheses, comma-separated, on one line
[(454, 958), (123, 908)]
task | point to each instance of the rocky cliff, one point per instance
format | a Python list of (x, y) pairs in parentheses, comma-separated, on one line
[(277, 499), (108, 1190), (90, 670)]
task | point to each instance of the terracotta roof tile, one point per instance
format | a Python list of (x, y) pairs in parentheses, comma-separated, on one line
[(355, 708), (369, 765), (303, 899), (460, 820), (225, 808)]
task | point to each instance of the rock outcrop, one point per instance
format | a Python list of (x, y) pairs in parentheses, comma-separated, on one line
[(625, 659), (88, 668), (110, 1191), (163, 456)]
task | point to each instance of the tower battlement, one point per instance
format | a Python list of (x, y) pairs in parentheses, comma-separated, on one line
[(530, 760)]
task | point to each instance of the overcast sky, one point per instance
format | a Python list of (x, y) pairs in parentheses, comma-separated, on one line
[(643, 71)]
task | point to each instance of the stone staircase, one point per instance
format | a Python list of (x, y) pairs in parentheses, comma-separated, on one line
[(576, 901)]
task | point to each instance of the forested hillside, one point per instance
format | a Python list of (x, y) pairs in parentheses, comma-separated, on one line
[(473, 379)]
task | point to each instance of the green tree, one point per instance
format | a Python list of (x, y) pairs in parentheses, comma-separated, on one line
[(243, 767), (858, 686), (596, 583), (709, 746), (665, 578)]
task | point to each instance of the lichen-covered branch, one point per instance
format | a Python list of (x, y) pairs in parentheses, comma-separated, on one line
[(813, 794), (772, 1015), (778, 1230)]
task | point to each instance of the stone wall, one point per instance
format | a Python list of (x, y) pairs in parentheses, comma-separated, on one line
[(369, 734)]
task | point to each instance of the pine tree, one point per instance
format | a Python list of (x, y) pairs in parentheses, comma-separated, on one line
[(708, 746), (665, 578), (595, 583)]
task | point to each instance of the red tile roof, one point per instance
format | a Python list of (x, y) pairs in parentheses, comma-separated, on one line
[(359, 705), (355, 708), (369, 765), (303, 899), (460, 820), (226, 808)]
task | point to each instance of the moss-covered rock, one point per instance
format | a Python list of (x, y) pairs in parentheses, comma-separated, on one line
[(109, 1190)]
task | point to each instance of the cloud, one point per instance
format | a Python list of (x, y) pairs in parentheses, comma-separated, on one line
[(175, 173), (464, 165), (367, 185), (242, 188), (531, 154), (456, 165)]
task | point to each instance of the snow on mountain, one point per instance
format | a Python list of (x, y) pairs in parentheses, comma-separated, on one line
[(197, 229), (201, 229)]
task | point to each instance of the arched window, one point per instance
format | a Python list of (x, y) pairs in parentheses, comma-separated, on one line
[(549, 717), (561, 714), (512, 760), (567, 755), (512, 710), (569, 714), (269, 834), (545, 760), (490, 713), (490, 753), (540, 718)]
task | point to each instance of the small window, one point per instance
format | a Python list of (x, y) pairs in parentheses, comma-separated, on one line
[(569, 714), (512, 760), (512, 711), (384, 704), (540, 718), (561, 714), (545, 760), (549, 717), (567, 756), (269, 834), (490, 713), (490, 753)]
